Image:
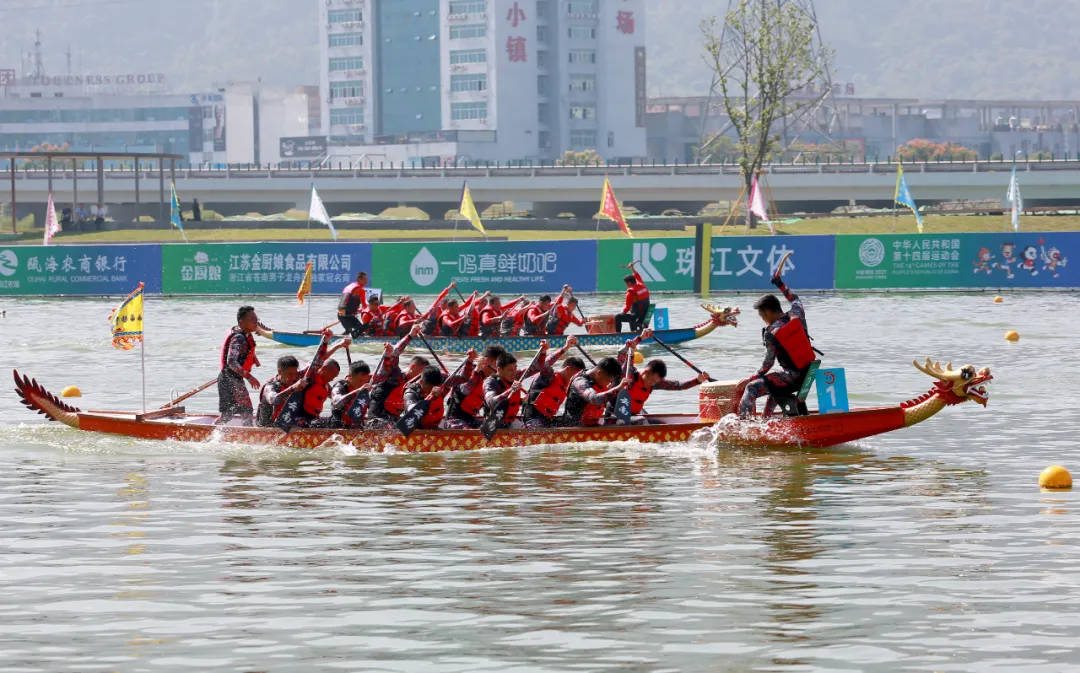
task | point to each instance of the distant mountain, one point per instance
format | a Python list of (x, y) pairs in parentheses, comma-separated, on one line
[(917, 48)]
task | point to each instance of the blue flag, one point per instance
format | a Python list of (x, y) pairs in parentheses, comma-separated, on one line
[(903, 196), (174, 211)]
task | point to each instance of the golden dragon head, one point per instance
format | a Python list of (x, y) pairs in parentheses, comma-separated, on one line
[(722, 316), (958, 385)]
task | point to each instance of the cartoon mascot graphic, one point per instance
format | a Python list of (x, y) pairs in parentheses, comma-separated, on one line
[(983, 264), (1008, 259)]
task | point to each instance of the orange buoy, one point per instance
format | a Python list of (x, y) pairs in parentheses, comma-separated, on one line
[(998, 299), (1012, 335), (1055, 476)]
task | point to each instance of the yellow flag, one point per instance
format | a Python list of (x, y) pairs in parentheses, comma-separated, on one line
[(127, 321), (468, 209), (305, 286)]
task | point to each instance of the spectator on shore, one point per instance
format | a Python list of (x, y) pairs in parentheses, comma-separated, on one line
[(196, 212)]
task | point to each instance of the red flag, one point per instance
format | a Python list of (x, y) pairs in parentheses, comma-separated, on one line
[(609, 208)]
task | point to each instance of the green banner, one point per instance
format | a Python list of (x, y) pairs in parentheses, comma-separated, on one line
[(499, 266), (260, 268), (665, 264), (1019, 259)]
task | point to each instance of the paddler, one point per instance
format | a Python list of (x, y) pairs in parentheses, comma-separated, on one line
[(348, 401), (636, 305), (589, 393), (271, 401), (430, 387), (237, 359), (467, 398), (505, 384), (548, 391), (388, 385), (312, 388), (787, 342), (654, 377), (353, 298), (563, 315), (536, 316), (491, 316)]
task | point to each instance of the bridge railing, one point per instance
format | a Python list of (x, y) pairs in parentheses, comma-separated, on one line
[(523, 169)]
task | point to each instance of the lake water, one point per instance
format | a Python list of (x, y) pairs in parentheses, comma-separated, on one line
[(929, 549)]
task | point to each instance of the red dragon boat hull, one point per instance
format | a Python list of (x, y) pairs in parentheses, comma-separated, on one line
[(813, 430)]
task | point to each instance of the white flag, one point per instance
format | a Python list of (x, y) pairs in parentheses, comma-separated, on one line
[(757, 205), (317, 212), (52, 225), (1014, 198)]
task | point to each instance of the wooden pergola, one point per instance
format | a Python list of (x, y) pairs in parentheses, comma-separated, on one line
[(99, 159)]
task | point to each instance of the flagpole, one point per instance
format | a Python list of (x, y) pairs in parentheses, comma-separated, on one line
[(142, 359), (309, 314)]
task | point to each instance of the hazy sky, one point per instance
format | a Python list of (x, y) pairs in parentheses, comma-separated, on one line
[(924, 48)]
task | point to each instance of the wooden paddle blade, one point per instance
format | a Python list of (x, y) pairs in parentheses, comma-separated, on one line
[(490, 426), (410, 420), (622, 407)]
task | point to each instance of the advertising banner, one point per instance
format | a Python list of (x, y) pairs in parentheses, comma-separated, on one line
[(748, 262), (665, 264), (84, 269), (502, 267), (260, 268), (1035, 259)]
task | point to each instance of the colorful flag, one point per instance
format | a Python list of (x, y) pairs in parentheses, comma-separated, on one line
[(317, 212), (305, 286), (127, 321), (757, 205), (175, 217), (903, 196), (609, 208), (1014, 198), (52, 225), (468, 209)]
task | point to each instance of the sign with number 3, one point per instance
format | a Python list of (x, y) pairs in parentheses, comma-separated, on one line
[(831, 390)]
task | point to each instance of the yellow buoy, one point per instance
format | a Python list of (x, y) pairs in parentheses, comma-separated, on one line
[(998, 299), (638, 358), (71, 391), (1012, 335), (1055, 476)]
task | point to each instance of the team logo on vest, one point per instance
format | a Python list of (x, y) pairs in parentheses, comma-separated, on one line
[(424, 268), (647, 253), (871, 252), (9, 263)]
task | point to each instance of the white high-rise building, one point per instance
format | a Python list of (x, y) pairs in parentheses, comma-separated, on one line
[(429, 81)]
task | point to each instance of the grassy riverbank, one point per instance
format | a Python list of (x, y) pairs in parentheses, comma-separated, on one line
[(831, 225)]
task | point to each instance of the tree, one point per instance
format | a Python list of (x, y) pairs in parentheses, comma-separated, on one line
[(920, 149), (582, 158), (761, 54)]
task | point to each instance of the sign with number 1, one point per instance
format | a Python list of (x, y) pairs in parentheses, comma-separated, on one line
[(831, 390)]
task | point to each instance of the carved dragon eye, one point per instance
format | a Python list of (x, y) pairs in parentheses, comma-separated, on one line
[(967, 372)]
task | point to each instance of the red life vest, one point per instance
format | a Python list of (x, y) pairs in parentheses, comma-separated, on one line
[(474, 401), (793, 345), (489, 329), (267, 414), (315, 396), (395, 401), (471, 326), (352, 298), (434, 414), (513, 403), (592, 413), (249, 360), (551, 398), (639, 394), (559, 320)]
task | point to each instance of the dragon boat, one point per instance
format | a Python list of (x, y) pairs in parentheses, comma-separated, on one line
[(517, 344), (717, 404)]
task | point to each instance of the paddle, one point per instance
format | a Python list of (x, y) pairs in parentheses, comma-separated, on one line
[(490, 426), (320, 331), (684, 360), (432, 351), (587, 356), (410, 420), (622, 400), (183, 397)]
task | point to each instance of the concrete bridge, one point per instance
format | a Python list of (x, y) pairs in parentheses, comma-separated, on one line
[(547, 191)]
